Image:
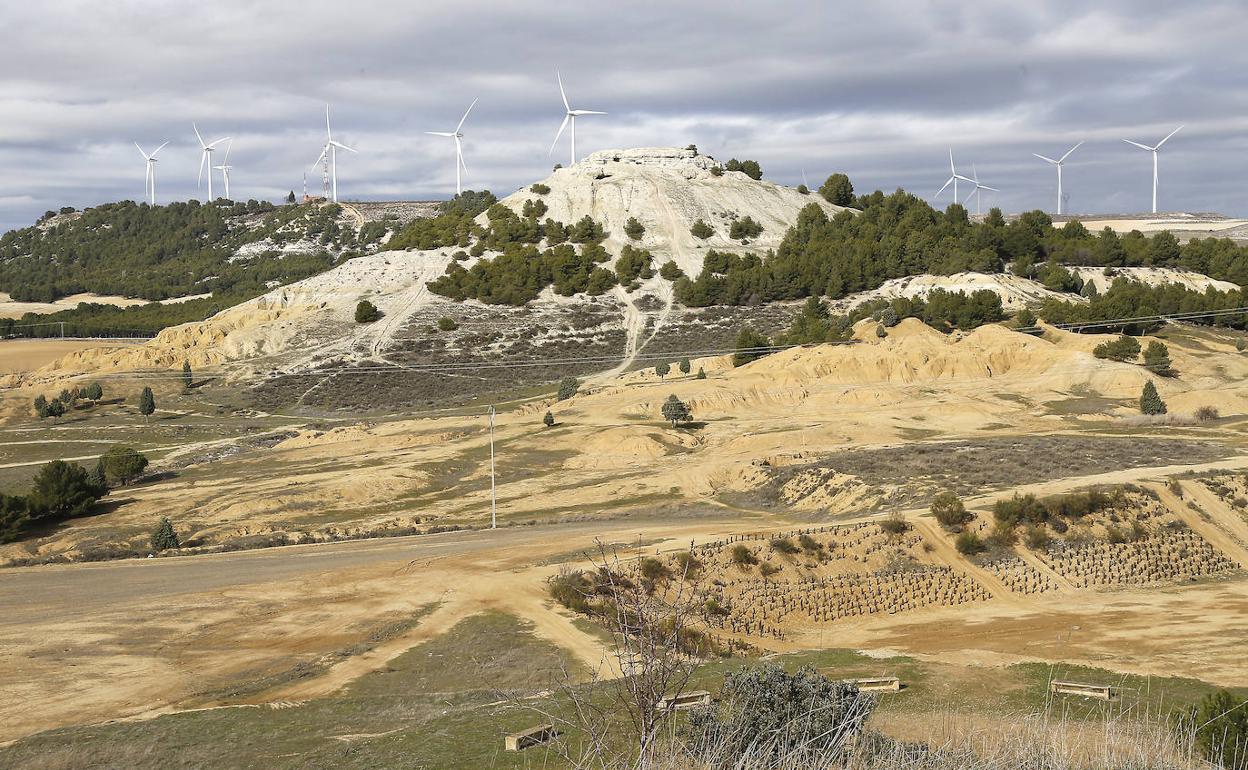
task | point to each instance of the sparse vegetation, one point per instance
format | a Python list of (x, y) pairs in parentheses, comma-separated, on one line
[(447, 324), (784, 545), (748, 167), (751, 346), (742, 556), (1207, 414), (634, 229), (744, 228), (949, 511)]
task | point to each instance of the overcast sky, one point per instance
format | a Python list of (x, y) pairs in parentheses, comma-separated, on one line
[(878, 90)]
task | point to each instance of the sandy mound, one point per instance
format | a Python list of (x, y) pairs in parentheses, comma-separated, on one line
[(1015, 292), (625, 447), (1153, 276)]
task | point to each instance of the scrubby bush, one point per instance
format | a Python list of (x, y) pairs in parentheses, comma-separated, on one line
[(122, 464), (838, 190), (969, 544), (1122, 349), (701, 230), (634, 229), (809, 544), (751, 346), (671, 271), (687, 563), (1036, 536), (744, 228), (653, 569), (568, 388), (548, 420), (767, 717), (949, 511), (447, 324), (783, 545), (633, 264), (1207, 413), (366, 312), (539, 189), (748, 167), (1219, 723), (701, 375), (742, 556), (894, 524), (571, 589), (767, 569), (803, 189), (1157, 359), (533, 209)]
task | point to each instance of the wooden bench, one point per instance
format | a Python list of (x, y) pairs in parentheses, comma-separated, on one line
[(877, 684), (685, 700), (533, 736), (1099, 691)]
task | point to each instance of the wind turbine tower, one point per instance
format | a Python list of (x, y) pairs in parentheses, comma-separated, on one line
[(225, 167), (976, 192), (457, 135), (570, 115), (149, 180), (329, 155), (1058, 163), (205, 160), (1154, 150), (954, 176)]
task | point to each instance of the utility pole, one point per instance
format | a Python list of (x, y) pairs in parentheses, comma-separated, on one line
[(493, 493)]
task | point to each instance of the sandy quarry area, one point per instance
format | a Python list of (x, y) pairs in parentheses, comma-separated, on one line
[(814, 437), (19, 356)]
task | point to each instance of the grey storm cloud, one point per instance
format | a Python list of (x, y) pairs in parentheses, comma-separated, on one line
[(880, 91)]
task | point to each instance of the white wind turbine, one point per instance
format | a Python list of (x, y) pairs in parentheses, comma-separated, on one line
[(331, 148), (954, 176), (1059, 163), (976, 192), (149, 180), (205, 160), (225, 168), (459, 149), (1154, 150), (570, 116)]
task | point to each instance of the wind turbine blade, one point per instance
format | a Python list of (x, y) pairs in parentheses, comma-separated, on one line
[(459, 153), (440, 133), (219, 141), (952, 170), (140, 149), (203, 159), (964, 178), (942, 189), (974, 175), (967, 199), (986, 187), (341, 146), (559, 133), (1141, 146), (328, 133), (1068, 152), (590, 112), (566, 106), (158, 149), (197, 135), (1172, 133), (1042, 157), (321, 157), (465, 117), (226, 160)]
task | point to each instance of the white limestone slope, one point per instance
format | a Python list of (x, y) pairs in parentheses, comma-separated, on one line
[(667, 189)]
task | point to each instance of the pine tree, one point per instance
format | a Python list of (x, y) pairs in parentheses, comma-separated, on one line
[(675, 410), (41, 406), (684, 366), (662, 369), (187, 378), (701, 374), (568, 387), (1157, 359), (1150, 400), (549, 420), (147, 403), (165, 537)]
